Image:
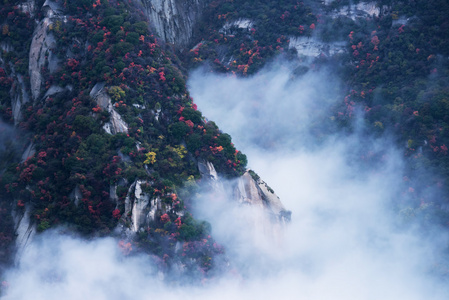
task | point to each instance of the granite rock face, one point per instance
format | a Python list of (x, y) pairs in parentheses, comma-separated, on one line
[(174, 20)]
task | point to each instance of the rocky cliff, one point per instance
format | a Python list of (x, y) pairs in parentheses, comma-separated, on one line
[(174, 20)]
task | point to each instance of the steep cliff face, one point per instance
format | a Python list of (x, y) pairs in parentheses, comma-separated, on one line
[(247, 189), (174, 19), (43, 42), (25, 229), (116, 123)]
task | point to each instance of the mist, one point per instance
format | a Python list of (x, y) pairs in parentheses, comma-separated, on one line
[(12, 142), (348, 238)]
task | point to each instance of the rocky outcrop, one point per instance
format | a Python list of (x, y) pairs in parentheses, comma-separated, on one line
[(19, 97), (39, 55), (311, 47), (24, 229), (210, 177), (76, 195), (359, 10), (29, 152), (41, 45), (28, 7), (174, 20), (116, 123), (247, 189), (141, 208), (250, 189), (231, 26)]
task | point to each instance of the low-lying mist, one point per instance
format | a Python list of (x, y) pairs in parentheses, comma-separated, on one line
[(348, 238)]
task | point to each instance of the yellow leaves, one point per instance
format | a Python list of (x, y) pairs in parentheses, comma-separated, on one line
[(5, 29), (379, 125), (116, 93), (161, 231), (180, 150), (151, 158)]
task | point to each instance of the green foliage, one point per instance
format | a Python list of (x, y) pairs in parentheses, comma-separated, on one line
[(193, 115), (132, 38), (178, 130), (193, 229)]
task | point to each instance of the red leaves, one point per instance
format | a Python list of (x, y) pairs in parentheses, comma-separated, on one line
[(116, 214), (27, 173), (165, 218), (178, 222), (375, 41)]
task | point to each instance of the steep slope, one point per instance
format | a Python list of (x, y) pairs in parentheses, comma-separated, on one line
[(114, 137), (116, 141)]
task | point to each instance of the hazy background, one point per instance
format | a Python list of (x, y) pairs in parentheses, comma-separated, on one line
[(347, 239)]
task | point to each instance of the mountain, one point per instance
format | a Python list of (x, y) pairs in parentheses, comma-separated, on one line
[(114, 143), (101, 137)]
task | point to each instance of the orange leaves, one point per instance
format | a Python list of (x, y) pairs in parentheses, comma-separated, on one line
[(97, 3), (126, 248), (215, 150)]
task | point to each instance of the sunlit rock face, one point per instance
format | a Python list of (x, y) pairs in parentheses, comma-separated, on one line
[(247, 189), (142, 208), (116, 123), (41, 45), (359, 10), (24, 229), (311, 47), (174, 20)]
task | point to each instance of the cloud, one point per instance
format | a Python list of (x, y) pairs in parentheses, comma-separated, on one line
[(347, 238), (12, 141), (273, 109)]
